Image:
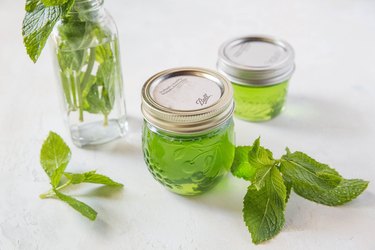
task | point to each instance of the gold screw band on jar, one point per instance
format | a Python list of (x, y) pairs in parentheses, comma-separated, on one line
[(171, 102)]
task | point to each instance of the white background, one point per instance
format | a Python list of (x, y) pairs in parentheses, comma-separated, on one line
[(330, 115)]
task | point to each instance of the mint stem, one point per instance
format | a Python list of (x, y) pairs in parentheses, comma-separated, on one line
[(80, 102), (105, 120), (90, 66), (51, 193), (86, 78), (72, 83)]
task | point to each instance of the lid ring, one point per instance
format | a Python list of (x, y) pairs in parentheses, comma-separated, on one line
[(189, 120)]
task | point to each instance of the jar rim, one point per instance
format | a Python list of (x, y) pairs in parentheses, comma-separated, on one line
[(81, 6), (189, 120)]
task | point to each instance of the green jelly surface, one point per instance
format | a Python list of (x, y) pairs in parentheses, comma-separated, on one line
[(259, 103), (189, 165)]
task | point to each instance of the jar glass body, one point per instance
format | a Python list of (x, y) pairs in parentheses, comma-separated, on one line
[(189, 164), (88, 65), (259, 103)]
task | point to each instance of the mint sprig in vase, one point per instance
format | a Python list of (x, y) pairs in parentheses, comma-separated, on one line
[(87, 59)]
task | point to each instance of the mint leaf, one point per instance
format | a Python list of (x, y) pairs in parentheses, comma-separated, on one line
[(54, 157), (241, 167), (31, 4), (260, 156), (38, 25), (302, 170), (81, 207), (53, 2), (346, 191), (107, 77), (56, 176), (263, 209), (92, 177), (262, 160)]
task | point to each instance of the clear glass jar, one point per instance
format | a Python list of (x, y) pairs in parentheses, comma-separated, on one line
[(89, 69), (259, 68), (188, 133)]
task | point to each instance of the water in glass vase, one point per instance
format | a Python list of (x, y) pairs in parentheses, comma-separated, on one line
[(91, 81)]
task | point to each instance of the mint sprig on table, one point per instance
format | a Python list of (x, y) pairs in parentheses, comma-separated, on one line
[(273, 179), (54, 158)]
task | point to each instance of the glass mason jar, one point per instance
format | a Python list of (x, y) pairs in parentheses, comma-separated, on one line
[(188, 132), (89, 69), (259, 68)]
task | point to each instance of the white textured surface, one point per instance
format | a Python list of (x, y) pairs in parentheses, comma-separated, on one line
[(330, 115)]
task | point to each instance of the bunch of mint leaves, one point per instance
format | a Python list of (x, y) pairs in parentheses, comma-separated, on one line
[(54, 158), (84, 90), (273, 179)]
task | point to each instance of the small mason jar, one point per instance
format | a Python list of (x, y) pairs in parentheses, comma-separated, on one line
[(188, 132), (259, 68), (88, 65)]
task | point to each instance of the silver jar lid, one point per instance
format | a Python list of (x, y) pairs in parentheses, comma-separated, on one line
[(256, 60), (187, 100)]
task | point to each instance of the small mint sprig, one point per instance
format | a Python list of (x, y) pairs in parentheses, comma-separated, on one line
[(54, 158), (273, 179)]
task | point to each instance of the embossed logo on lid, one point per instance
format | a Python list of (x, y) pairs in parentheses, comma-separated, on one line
[(186, 92)]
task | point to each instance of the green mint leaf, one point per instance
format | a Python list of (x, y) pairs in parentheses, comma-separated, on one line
[(346, 191), (56, 176), (53, 2), (38, 25), (241, 167), (304, 171), (92, 177), (260, 156), (31, 4), (54, 157), (94, 102), (263, 209), (81, 207), (262, 160), (106, 75)]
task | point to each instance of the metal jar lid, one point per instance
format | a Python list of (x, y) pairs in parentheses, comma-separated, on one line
[(187, 100), (256, 60)]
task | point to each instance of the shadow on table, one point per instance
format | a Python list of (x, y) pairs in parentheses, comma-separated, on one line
[(226, 195), (313, 114), (103, 192), (129, 146), (366, 199)]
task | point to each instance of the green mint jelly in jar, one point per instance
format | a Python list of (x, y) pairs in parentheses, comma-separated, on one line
[(188, 132), (189, 164), (265, 102), (259, 68)]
